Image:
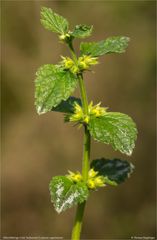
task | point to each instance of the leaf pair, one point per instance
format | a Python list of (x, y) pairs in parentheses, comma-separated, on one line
[(65, 194), (56, 23)]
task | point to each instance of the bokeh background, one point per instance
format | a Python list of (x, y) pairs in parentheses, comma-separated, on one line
[(35, 148)]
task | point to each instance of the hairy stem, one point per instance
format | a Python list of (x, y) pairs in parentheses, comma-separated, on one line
[(86, 153)]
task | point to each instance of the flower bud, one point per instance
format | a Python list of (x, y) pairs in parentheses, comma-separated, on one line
[(99, 181), (90, 183), (86, 119), (92, 173), (64, 37)]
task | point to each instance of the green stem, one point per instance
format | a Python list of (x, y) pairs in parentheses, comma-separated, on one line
[(85, 168), (83, 94), (72, 51), (86, 153), (78, 221)]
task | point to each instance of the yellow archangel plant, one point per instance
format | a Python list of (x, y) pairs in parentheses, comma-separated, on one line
[(54, 85)]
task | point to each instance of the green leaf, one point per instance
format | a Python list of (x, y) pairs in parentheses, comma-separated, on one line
[(110, 45), (116, 170), (65, 194), (115, 128), (68, 105), (53, 22), (52, 85), (82, 31)]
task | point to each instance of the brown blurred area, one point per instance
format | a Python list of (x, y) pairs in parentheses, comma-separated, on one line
[(35, 148)]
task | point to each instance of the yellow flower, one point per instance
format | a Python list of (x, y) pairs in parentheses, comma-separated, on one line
[(86, 119), (96, 110), (95, 181), (78, 114), (83, 65), (76, 177), (75, 69), (67, 62), (85, 62)]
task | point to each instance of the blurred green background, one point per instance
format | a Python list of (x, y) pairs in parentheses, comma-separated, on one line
[(35, 148)]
